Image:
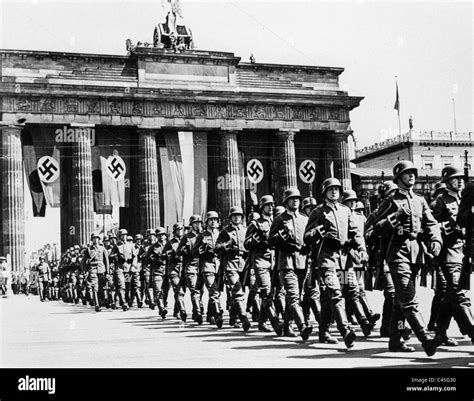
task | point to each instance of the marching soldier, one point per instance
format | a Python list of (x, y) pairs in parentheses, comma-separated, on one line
[(439, 281), (175, 269), (135, 269), (405, 217), (261, 258), (3, 275), (332, 232), (44, 277), (230, 247), (109, 273), (353, 285), (191, 265), (123, 254), (455, 303), (158, 269), (205, 249), (286, 235), (95, 261), (311, 298), (146, 269)]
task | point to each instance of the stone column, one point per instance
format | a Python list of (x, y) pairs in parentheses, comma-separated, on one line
[(342, 162), (82, 204), (13, 200), (148, 190), (230, 194), (285, 161)]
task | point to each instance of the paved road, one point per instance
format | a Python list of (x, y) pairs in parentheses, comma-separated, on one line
[(54, 334)]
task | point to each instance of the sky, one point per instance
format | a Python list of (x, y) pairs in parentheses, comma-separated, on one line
[(428, 45)]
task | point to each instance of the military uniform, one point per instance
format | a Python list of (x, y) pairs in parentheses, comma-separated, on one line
[(124, 255), (135, 276), (44, 276), (191, 268), (408, 223), (175, 270), (262, 260), (109, 278), (286, 235), (331, 247), (456, 303), (96, 261), (205, 249)]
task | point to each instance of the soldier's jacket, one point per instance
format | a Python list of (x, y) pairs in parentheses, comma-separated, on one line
[(230, 247), (190, 262), (144, 260), (287, 236), (140, 251), (157, 258), (124, 255), (204, 248), (256, 241), (111, 260), (174, 262), (359, 221), (44, 272), (445, 211), (465, 217), (342, 234), (406, 234), (96, 257)]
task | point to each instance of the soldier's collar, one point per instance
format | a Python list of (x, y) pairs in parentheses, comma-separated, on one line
[(292, 212), (333, 205), (267, 217), (454, 194), (406, 192)]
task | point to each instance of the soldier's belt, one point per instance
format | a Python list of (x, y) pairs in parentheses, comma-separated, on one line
[(334, 244), (407, 234)]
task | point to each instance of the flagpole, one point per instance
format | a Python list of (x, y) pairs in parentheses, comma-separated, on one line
[(398, 108), (454, 116)]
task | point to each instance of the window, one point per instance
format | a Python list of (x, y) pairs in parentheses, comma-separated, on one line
[(427, 162), (447, 160)]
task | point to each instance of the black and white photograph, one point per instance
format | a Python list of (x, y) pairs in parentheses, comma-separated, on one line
[(236, 200)]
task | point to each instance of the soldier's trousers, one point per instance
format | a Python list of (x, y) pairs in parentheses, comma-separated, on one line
[(119, 281), (252, 300), (102, 288), (148, 286), (43, 286), (158, 280), (350, 291), (237, 293), (290, 283), (93, 280), (135, 288), (191, 283), (214, 308), (178, 291), (440, 290), (263, 282), (389, 299), (455, 303), (403, 275), (332, 301), (311, 296)]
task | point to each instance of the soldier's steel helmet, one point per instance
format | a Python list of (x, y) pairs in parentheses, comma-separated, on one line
[(291, 193), (359, 206), (309, 201), (236, 210), (265, 200), (451, 172), (402, 167), (160, 231), (212, 215), (389, 186), (195, 218), (438, 187), (150, 231), (177, 226), (331, 182), (138, 236), (95, 236), (123, 231), (129, 238), (348, 195), (279, 210)]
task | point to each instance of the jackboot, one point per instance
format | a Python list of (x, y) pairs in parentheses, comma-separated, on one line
[(359, 314), (435, 305), (371, 316), (463, 316), (415, 320), (316, 309), (161, 308), (442, 324), (95, 298), (239, 308), (386, 315), (305, 329), (277, 326)]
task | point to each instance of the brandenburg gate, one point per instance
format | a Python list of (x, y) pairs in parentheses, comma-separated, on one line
[(185, 123)]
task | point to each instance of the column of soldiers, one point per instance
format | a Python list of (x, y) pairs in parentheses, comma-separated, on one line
[(296, 259)]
